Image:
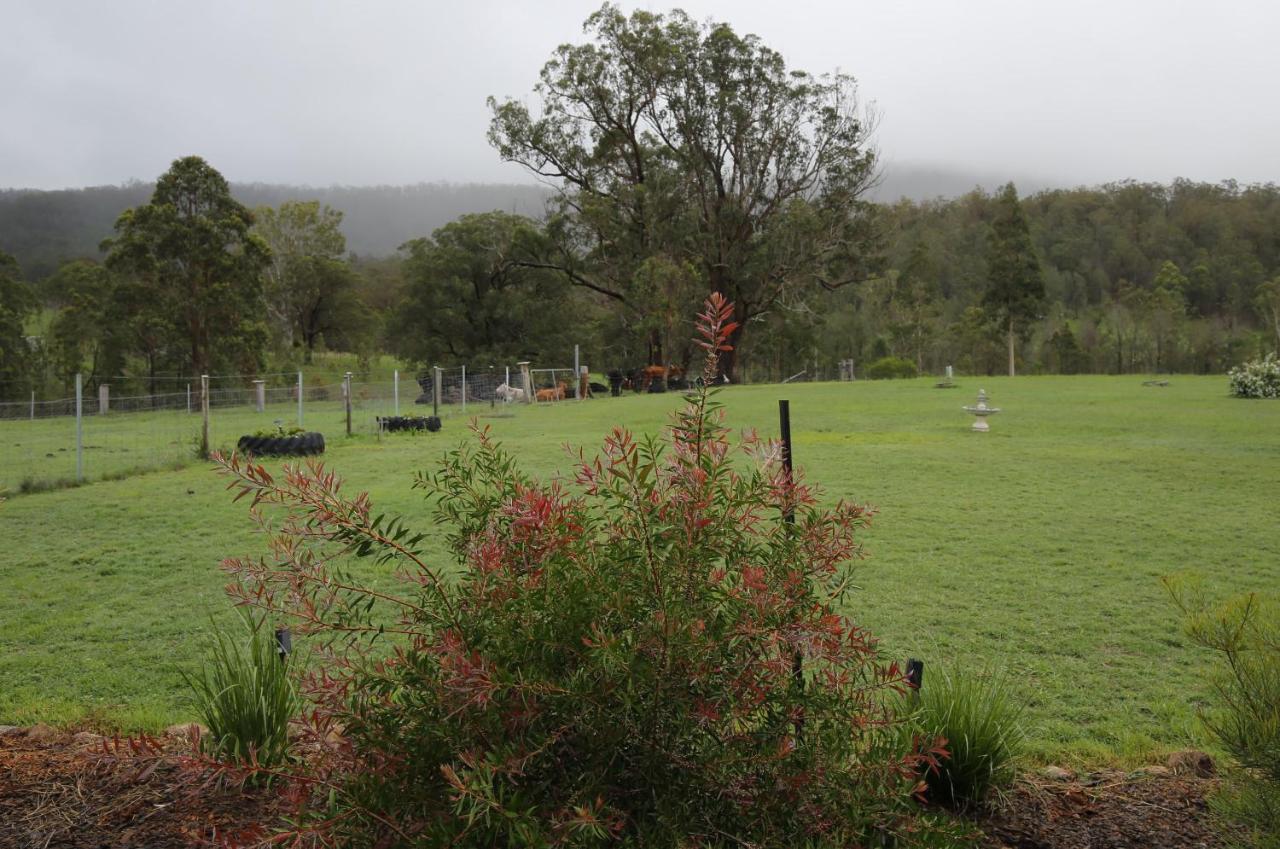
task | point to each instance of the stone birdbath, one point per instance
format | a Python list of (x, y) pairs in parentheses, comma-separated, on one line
[(981, 410)]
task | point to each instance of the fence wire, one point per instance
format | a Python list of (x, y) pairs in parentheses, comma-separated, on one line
[(44, 444)]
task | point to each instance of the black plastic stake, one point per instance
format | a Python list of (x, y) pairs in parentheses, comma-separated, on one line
[(284, 643), (784, 424), (915, 673), (789, 516)]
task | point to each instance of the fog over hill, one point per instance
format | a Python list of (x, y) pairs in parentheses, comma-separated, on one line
[(45, 228)]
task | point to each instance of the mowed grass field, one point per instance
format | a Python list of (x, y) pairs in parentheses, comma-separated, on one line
[(1037, 547)]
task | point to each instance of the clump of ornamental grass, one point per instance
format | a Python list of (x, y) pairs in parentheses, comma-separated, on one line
[(648, 655), (979, 716), (245, 696)]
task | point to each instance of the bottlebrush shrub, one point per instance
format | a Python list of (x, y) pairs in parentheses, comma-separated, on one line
[(1256, 379), (615, 662)]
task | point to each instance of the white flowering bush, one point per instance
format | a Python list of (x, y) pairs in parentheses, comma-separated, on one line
[(1257, 379)]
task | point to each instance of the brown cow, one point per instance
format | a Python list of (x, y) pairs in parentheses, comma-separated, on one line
[(556, 394)]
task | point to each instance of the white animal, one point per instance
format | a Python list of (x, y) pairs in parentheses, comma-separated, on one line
[(509, 393)]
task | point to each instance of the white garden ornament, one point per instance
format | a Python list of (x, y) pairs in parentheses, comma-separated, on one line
[(981, 410)]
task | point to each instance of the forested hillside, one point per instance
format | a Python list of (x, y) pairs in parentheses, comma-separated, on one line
[(1136, 278), (42, 229)]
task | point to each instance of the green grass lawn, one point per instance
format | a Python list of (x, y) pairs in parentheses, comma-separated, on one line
[(1037, 546)]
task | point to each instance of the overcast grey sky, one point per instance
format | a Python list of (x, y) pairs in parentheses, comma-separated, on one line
[(370, 92)]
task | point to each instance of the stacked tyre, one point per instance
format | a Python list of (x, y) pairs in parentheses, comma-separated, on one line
[(299, 445), (392, 423)]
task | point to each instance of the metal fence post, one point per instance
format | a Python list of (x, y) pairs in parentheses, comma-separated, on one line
[(260, 394), (346, 382), (204, 411), (104, 398), (395, 391), (79, 427), (33, 405), (435, 391), (299, 399)]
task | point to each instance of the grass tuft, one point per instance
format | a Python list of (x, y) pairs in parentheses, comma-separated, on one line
[(245, 696), (981, 719)]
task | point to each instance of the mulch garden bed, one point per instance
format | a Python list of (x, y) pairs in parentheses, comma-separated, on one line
[(59, 790), (1151, 808), (62, 791)]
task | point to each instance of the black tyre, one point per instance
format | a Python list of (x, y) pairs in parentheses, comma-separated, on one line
[(432, 423)]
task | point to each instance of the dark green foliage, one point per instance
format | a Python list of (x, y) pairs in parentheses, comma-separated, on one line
[(1015, 287), (17, 301), (979, 716), (473, 295), (311, 290), (690, 159), (1244, 633), (245, 695), (191, 251), (890, 367)]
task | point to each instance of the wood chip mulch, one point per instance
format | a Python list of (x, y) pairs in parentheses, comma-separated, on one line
[(1105, 811), (61, 791), (65, 792)]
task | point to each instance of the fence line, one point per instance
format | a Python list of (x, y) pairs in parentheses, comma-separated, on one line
[(95, 434)]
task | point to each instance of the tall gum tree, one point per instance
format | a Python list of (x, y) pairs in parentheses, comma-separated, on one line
[(1015, 290), (688, 142), (191, 249)]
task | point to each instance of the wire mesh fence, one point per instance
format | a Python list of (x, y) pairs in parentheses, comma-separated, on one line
[(116, 431), (99, 435)]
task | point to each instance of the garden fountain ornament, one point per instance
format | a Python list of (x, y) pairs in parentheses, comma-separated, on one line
[(981, 410)]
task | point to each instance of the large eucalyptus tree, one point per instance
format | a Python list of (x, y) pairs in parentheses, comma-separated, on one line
[(685, 148)]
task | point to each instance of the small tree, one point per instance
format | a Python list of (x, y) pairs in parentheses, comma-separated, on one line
[(307, 247), (655, 659), (470, 294), (1016, 287)]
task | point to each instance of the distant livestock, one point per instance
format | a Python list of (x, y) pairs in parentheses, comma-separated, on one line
[(509, 393), (556, 394)]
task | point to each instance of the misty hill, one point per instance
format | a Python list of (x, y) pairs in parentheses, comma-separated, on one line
[(925, 182), (42, 229)]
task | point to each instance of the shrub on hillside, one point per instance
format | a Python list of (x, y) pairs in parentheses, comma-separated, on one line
[(1256, 379), (652, 657), (980, 718), (1245, 633), (886, 368)]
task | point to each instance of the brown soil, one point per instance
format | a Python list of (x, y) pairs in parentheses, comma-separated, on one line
[(62, 791), (1105, 811)]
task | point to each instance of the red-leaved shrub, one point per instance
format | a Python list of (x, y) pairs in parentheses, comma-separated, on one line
[(648, 656)]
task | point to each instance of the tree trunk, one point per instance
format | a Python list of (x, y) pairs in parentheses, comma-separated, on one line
[(655, 349), (729, 359), (1011, 372)]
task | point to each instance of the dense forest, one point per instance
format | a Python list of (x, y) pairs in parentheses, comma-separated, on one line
[(651, 192)]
